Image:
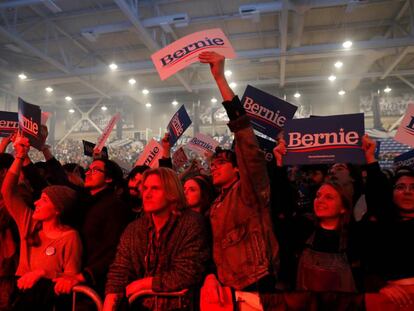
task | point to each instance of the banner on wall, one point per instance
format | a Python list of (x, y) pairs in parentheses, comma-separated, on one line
[(9, 123), (178, 124), (405, 132), (325, 140), (268, 114), (185, 51)]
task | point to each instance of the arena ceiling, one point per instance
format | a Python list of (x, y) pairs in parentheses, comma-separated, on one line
[(283, 46)]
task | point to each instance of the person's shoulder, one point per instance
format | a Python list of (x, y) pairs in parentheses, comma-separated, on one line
[(69, 233)]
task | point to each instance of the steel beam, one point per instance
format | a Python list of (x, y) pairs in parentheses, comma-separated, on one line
[(283, 28), (144, 36)]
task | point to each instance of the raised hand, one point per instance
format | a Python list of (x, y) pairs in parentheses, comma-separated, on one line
[(166, 146), (21, 146), (29, 279), (369, 145), (279, 151), (216, 62)]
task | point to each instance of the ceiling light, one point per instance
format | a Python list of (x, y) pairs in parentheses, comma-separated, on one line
[(332, 78), (145, 92), (214, 100), (174, 103), (49, 89), (347, 44), (132, 81), (297, 94), (341, 92), (22, 76), (233, 84), (228, 73), (387, 89), (148, 105), (68, 98), (339, 64), (104, 108), (113, 66), (71, 110)]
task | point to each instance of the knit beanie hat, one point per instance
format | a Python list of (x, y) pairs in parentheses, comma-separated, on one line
[(62, 197)]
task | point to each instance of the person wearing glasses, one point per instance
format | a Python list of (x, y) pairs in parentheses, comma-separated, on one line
[(101, 220), (388, 254)]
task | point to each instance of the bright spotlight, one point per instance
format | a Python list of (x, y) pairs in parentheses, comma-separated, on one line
[(68, 98), (347, 44), (145, 92), (113, 66), (297, 95)]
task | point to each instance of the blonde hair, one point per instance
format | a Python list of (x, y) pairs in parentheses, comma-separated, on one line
[(172, 186)]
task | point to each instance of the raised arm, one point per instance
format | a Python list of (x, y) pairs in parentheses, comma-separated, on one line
[(216, 62), (378, 190), (254, 180), (11, 196)]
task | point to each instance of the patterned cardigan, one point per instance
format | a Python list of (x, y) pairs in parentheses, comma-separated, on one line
[(182, 256)]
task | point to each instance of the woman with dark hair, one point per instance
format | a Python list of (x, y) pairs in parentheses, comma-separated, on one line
[(199, 193), (48, 248), (320, 243), (388, 254)]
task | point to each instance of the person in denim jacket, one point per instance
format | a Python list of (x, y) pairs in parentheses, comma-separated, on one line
[(245, 250)]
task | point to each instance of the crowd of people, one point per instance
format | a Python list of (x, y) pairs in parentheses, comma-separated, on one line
[(251, 231), (389, 105)]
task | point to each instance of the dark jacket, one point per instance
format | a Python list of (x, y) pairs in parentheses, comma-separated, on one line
[(181, 260), (244, 246), (103, 218)]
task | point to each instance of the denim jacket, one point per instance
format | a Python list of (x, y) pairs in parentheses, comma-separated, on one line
[(244, 246)]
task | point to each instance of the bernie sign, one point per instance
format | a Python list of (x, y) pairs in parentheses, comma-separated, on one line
[(268, 114), (322, 140)]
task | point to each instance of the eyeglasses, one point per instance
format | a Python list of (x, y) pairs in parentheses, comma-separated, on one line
[(94, 170), (404, 187)]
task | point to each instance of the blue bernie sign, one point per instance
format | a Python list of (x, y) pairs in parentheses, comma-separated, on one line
[(268, 114), (405, 159), (9, 123), (324, 140), (178, 124), (29, 122)]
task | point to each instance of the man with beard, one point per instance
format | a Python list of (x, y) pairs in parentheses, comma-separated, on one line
[(134, 186)]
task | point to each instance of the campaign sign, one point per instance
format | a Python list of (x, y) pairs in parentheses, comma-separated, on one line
[(88, 149), (29, 122), (325, 140), (267, 113), (178, 124), (203, 145), (405, 159), (107, 131), (185, 51), (151, 154), (179, 158), (405, 133), (267, 146), (9, 123)]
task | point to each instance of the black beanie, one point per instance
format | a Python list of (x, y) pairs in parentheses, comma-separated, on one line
[(62, 197)]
